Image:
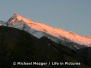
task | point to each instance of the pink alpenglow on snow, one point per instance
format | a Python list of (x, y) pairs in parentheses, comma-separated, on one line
[(57, 32)]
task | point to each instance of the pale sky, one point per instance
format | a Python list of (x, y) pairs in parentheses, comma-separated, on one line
[(70, 15)]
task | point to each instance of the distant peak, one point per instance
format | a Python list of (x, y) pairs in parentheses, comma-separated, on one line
[(56, 32), (19, 17), (16, 18), (14, 15)]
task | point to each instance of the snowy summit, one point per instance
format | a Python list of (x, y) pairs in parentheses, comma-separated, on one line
[(17, 20)]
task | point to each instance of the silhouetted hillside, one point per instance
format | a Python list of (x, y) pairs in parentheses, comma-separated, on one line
[(84, 55), (20, 46)]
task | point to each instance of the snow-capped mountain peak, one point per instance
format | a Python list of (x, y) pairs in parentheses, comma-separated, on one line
[(15, 18), (56, 32), (20, 18)]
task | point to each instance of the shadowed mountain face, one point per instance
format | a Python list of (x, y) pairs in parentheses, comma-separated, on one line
[(20, 46)]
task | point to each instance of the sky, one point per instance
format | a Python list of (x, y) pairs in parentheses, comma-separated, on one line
[(70, 15)]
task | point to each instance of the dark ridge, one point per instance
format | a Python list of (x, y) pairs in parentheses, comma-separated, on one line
[(84, 54), (17, 45)]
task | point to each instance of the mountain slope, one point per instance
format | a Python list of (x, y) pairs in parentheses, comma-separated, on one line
[(40, 29), (2, 23), (19, 46)]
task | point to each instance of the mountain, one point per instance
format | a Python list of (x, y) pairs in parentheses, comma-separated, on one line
[(2, 23), (56, 34), (20, 46)]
